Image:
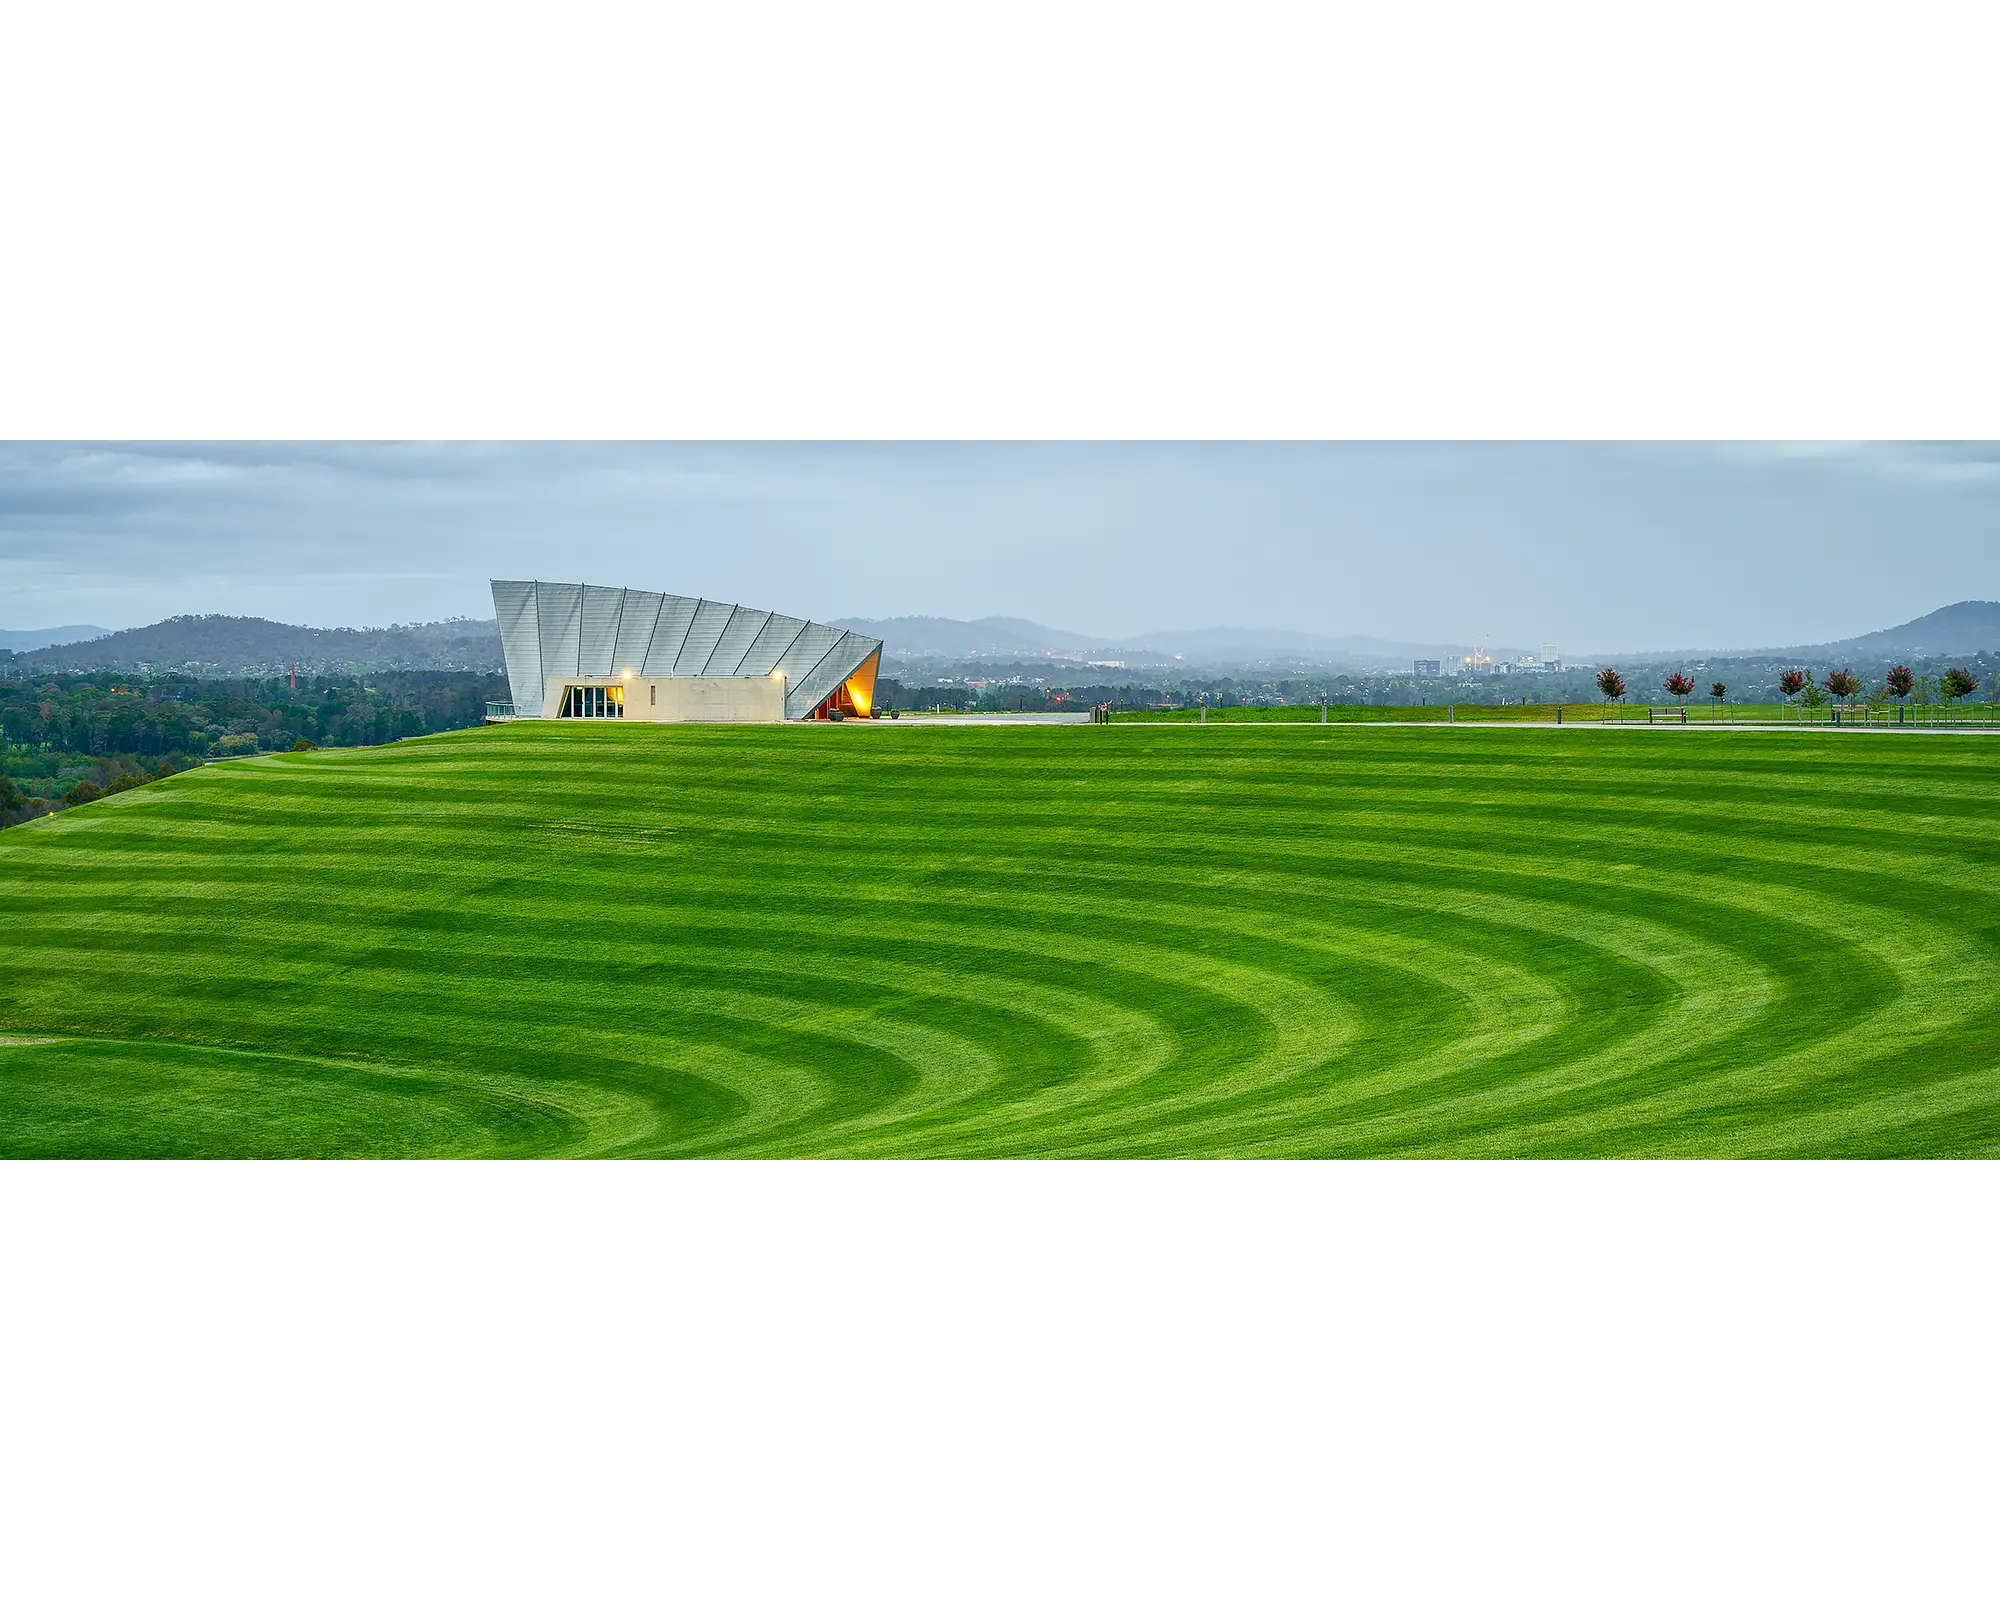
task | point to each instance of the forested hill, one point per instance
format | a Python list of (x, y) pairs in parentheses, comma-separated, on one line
[(254, 645), (1965, 629)]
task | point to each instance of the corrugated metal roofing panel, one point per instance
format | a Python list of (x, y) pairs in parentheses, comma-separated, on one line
[(521, 642), (828, 673), (635, 629), (806, 652), (560, 606), (706, 628), (676, 612), (769, 648), (600, 630), (727, 659)]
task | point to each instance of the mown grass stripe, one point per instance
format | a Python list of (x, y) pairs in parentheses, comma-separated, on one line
[(1358, 941)]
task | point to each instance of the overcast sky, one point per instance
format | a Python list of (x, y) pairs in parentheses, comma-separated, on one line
[(1590, 547)]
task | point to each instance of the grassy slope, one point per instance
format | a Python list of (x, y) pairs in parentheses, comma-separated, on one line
[(1022, 941), (1700, 709)]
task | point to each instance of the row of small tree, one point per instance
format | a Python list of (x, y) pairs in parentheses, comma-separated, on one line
[(1793, 683)]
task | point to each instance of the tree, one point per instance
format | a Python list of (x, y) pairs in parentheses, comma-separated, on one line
[(1716, 691), (83, 794), (1790, 682), (11, 798), (1679, 685), (1840, 683), (1611, 684), (1956, 684), (1812, 696), (1900, 681)]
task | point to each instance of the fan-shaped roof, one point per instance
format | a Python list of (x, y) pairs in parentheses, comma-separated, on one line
[(583, 630)]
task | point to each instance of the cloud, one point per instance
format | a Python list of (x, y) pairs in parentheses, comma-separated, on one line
[(1594, 547)]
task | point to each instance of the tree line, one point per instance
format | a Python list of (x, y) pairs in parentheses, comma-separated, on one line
[(1797, 685), (106, 730)]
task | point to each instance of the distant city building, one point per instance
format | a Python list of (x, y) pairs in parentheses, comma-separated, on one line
[(1551, 658), (1430, 669)]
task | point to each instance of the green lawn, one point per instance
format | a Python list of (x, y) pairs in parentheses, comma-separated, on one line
[(1700, 709), (1085, 940)]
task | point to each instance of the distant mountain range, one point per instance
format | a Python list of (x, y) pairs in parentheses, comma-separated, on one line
[(39, 638), (1963, 629), (946, 636), (236, 645), (249, 645), (1279, 644), (948, 639)]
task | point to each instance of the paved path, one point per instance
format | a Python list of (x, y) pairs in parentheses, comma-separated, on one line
[(980, 719), (1608, 727)]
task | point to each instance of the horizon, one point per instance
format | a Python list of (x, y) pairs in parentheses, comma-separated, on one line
[(1346, 653), (1599, 548)]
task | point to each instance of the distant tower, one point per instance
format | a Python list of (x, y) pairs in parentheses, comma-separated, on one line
[(1551, 656)]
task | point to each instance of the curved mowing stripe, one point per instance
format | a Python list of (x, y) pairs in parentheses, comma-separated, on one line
[(1069, 941), (125, 1098)]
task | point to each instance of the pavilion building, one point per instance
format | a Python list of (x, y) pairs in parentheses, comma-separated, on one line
[(575, 650)]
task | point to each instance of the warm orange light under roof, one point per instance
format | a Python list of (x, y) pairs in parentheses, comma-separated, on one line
[(861, 687)]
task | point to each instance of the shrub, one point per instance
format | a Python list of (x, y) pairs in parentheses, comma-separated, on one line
[(236, 744), (302, 744), (83, 794)]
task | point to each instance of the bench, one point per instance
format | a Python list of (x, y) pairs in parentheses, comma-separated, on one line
[(1666, 713)]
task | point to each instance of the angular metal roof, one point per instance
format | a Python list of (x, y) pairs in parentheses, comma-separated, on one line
[(580, 630)]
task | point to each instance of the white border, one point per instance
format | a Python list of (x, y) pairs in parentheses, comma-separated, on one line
[(994, 1379), (885, 220)]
